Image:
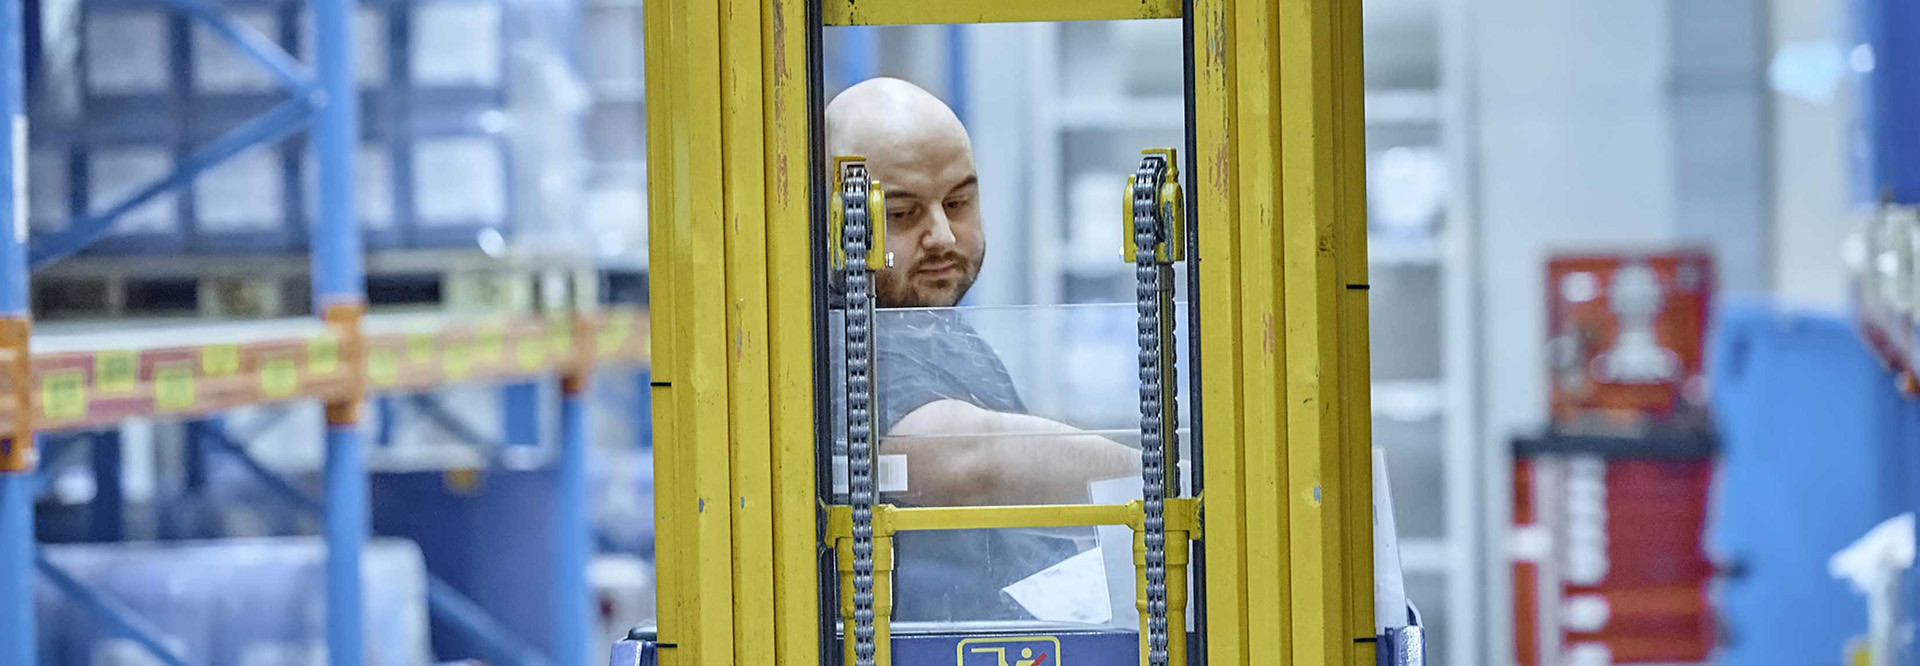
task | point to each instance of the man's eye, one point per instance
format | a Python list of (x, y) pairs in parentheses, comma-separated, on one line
[(957, 204), (899, 214)]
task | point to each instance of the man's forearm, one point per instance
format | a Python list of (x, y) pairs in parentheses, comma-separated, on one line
[(959, 454)]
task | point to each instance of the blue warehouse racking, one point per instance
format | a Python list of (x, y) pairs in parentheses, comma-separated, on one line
[(71, 378)]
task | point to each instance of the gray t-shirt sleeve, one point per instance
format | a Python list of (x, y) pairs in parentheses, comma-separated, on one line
[(925, 358), (906, 385)]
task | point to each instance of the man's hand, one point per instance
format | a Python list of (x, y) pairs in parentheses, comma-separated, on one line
[(959, 454)]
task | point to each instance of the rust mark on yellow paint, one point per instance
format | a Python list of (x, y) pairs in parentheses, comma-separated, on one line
[(1222, 157), (781, 79), (740, 333), (1266, 322), (1217, 44)]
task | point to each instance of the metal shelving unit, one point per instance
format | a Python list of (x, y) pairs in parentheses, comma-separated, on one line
[(74, 377)]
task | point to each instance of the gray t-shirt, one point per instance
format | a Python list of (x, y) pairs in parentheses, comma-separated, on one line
[(926, 356)]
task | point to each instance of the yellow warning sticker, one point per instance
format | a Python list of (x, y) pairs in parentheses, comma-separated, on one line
[(173, 387), (1013, 651), (116, 371), (278, 378), (63, 394)]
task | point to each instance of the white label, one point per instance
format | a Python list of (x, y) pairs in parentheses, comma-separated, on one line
[(890, 473), (1074, 590)]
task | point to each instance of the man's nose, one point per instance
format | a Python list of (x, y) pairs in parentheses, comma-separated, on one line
[(940, 231)]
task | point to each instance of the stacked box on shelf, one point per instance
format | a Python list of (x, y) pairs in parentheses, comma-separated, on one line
[(157, 84)]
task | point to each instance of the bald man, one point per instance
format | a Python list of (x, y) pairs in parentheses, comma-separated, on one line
[(945, 399)]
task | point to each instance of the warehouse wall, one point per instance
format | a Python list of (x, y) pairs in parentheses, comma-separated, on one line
[(1602, 126), (1812, 211), (1576, 150)]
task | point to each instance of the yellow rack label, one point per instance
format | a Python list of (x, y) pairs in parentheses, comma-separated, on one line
[(173, 387), (531, 353), (456, 360), (323, 355), (383, 366), (278, 378), (219, 360), (490, 344), (116, 371), (615, 334), (63, 394), (560, 336), (419, 348)]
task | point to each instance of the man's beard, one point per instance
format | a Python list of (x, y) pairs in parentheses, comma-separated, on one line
[(902, 293)]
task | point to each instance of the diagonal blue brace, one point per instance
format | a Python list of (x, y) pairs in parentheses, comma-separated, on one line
[(430, 406), (293, 75), (109, 611), (273, 125)]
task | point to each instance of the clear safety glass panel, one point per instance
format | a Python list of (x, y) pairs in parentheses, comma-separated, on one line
[(1082, 578), (1007, 406)]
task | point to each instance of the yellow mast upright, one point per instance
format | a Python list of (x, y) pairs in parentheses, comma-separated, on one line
[(1276, 177)]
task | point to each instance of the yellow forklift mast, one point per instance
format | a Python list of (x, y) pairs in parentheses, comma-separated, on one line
[(761, 562)]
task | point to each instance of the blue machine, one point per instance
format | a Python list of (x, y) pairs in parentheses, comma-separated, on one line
[(1818, 448), (1886, 62)]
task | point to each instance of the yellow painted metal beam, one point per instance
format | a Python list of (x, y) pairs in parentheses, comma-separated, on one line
[(1182, 514), (750, 442), (908, 12), (1007, 517), (1355, 378), (789, 337), (733, 386), (1215, 192), (1264, 331), (1282, 227)]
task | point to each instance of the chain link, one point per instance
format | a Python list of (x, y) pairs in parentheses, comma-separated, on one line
[(859, 365), (1148, 234)]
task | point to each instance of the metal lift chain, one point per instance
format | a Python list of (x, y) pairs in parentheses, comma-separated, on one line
[(1149, 231), (859, 364)]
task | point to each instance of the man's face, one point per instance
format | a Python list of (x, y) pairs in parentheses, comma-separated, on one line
[(933, 220)]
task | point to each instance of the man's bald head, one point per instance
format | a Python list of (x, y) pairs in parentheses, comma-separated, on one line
[(919, 152), (882, 113)]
